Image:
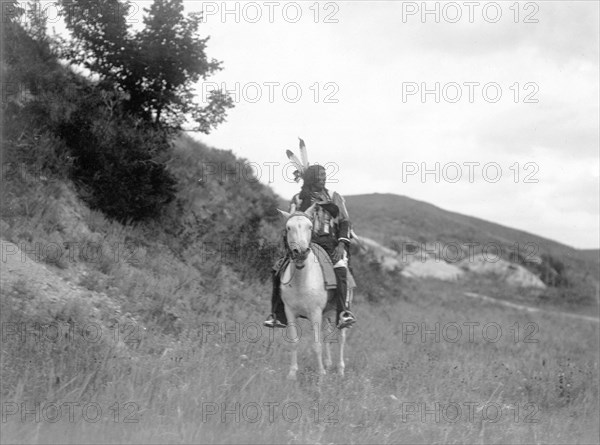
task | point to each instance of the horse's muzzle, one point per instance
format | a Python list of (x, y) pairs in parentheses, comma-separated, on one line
[(299, 256)]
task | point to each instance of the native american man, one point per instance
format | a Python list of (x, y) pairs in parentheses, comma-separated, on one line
[(331, 231)]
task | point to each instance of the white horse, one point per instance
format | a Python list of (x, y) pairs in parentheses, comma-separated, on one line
[(304, 294)]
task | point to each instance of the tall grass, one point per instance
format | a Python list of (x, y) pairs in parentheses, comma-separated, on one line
[(210, 387), (180, 375)]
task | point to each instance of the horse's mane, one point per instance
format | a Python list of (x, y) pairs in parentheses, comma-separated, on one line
[(299, 213)]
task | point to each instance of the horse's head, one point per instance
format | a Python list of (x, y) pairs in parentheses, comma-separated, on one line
[(298, 228)]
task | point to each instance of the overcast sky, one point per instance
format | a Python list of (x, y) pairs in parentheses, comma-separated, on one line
[(489, 109), (517, 93)]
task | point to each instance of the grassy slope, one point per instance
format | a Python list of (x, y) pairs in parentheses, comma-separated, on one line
[(185, 365), (593, 255), (386, 214), (549, 372), (393, 219)]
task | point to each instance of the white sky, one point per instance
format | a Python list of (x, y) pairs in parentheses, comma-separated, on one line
[(377, 47), (372, 52)]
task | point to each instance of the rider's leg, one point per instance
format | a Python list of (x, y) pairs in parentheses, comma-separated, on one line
[(276, 301), (344, 317), (277, 317)]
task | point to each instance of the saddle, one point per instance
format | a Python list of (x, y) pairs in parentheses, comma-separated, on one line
[(329, 280)]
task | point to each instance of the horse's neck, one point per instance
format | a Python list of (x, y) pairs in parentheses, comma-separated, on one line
[(311, 270)]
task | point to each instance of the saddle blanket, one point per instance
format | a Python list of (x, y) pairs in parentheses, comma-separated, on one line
[(330, 281)]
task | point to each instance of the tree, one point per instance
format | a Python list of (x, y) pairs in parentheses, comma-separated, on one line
[(156, 67)]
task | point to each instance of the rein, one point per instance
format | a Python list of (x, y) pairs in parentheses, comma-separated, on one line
[(298, 213), (291, 278), (296, 268)]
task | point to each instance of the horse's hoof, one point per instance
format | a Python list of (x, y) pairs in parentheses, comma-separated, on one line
[(341, 372), (291, 376)]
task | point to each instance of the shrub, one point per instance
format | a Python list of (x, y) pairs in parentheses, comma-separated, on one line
[(119, 163), (551, 271)]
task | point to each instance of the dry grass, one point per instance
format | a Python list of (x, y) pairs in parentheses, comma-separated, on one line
[(209, 386), (186, 378)]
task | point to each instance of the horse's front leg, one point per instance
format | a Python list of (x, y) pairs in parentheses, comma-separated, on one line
[(316, 322), (293, 337), (329, 329), (327, 361), (341, 364)]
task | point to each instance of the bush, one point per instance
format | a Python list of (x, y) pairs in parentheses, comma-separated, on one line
[(375, 283), (225, 219), (119, 164), (551, 271), (59, 123)]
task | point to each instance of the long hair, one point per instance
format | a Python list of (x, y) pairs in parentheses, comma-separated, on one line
[(310, 177)]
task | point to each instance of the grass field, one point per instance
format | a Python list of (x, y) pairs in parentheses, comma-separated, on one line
[(506, 377), (149, 330)]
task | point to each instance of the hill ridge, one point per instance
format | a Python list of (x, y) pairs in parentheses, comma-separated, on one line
[(464, 215)]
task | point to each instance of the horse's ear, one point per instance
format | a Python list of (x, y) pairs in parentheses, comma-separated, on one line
[(311, 210), (284, 214)]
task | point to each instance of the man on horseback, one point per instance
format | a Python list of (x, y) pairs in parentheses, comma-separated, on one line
[(331, 231)]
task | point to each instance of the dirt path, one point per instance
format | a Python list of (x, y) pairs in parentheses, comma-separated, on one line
[(47, 282), (522, 307)]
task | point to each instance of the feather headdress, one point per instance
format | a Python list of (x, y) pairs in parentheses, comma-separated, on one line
[(301, 165)]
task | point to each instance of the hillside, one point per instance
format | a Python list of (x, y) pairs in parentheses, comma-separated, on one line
[(394, 217), (408, 225), (592, 255)]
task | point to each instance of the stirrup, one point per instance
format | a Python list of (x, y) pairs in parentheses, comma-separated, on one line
[(347, 319), (272, 322)]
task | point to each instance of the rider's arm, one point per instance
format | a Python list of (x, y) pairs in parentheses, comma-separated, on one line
[(343, 219), (294, 203)]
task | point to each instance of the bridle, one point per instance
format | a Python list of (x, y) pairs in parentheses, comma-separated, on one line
[(299, 213), (300, 258)]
